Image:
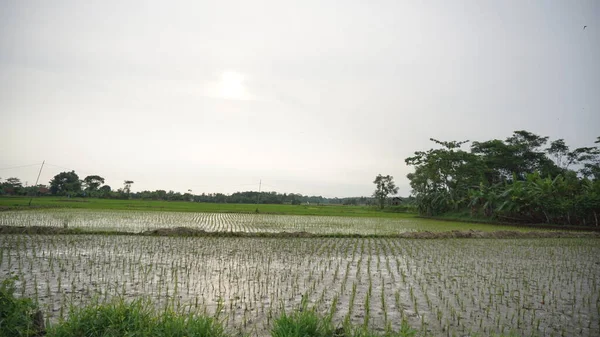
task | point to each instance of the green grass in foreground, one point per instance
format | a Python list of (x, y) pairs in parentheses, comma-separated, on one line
[(19, 203), (134, 319), (17, 315), (138, 318)]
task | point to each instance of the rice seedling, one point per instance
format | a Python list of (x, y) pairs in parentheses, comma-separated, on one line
[(140, 221), (444, 287)]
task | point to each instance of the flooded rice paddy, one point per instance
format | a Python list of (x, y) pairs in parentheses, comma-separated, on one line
[(450, 287)]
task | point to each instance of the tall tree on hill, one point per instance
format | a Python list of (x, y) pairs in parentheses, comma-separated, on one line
[(384, 187)]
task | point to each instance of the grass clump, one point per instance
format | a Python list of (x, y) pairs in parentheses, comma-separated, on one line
[(172, 324), (18, 316), (308, 323), (405, 331), (134, 319), (302, 323)]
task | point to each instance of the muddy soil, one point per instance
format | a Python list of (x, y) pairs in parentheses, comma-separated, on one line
[(187, 231)]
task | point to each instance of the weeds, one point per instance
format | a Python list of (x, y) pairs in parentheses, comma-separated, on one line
[(18, 316)]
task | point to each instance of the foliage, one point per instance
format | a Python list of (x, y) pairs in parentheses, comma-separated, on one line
[(11, 186), (443, 176), (384, 187), (247, 197), (302, 323), (127, 186), (306, 322), (92, 186), (512, 180), (138, 318), (21, 203), (65, 183), (134, 319), (16, 314), (92, 183)]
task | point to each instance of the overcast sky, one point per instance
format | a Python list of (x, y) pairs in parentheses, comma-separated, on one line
[(312, 97)]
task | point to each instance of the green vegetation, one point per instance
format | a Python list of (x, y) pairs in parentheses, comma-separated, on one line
[(515, 180), (307, 322), (18, 316), (137, 318), (18, 203), (68, 184), (384, 187), (66, 221), (302, 323)]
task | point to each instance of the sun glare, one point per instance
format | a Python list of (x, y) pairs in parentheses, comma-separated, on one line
[(231, 86)]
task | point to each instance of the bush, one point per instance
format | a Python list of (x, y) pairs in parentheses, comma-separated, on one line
[(307, 323), (21, 317), (302, 323), (134, 319), (18, 316)]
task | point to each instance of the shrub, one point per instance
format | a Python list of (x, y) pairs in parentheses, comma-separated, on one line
[(134, 319), (18, 316)]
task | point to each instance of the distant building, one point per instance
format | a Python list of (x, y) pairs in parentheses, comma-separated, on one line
[(395, 201)]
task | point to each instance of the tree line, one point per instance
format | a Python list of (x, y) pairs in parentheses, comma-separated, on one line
[(70, 185), (520, 179)]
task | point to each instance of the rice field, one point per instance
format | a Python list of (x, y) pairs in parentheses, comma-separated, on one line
[(140, 221), (451, 287)]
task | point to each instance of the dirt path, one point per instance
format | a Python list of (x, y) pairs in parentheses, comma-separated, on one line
[(186, 231)]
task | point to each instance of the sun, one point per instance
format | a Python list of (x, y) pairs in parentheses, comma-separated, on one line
[(231, 86)]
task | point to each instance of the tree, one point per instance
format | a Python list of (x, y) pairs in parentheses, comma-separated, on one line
[(14, 182), (127, 187), (519, 155), (512, 180), (589, 158), (384, 187), (92, 183), (443, 176), (11, 186), (559, 152), (104, 191), (65, 183)]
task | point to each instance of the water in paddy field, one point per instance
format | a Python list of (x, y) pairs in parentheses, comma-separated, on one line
[(138, 221), (441, 287)]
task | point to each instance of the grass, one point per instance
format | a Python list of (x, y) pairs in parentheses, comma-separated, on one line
[(21, 203), (307, 323), (304, 323), (411, 219), (466, 217), (134, 319), (17, 315), (138, 318)]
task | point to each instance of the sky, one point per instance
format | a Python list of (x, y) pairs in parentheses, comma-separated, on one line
[(311, 97)]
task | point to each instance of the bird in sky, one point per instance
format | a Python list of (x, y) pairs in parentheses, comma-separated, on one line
[(584, 27)]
